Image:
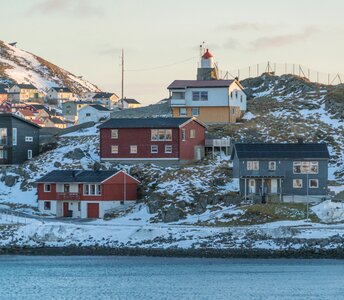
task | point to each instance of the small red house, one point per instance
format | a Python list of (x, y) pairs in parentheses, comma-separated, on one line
[(85, 194), (155, 140)]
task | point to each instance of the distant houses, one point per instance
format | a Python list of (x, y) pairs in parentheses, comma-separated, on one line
[(85, 194), (129, 103), (59, 95), (93, 113), (156, 140), (19, 139), (289, 172), (23, 92), (210, 99), (108, 100), (70, 109)]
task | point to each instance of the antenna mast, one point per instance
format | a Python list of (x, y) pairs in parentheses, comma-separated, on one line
[(122, 92)]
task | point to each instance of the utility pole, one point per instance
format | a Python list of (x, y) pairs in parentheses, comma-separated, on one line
[(122, 91)]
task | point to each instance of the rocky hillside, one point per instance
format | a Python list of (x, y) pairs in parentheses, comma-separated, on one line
[(285, 108), (19, 66)]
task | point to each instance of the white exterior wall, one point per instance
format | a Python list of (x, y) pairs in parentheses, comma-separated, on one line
[(95, 115), (73, 188), (53, 206), (236, 100), (216, 97), (104, 206)]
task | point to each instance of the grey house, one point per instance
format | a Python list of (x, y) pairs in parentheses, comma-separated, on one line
[(19, 139), (281, 171)]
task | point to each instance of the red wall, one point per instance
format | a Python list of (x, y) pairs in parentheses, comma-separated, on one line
[(187, 147), (112, 189), (140, 137)]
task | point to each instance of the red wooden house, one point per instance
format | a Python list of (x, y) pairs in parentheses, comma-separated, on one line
[(168, 140), (85, 194)]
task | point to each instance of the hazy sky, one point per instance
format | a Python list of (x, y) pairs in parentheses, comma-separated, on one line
[(85, 37)]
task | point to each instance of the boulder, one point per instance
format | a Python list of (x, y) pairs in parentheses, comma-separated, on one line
[(57, 164), (171, 214), (10, 180), (97, 166), (77, 153)]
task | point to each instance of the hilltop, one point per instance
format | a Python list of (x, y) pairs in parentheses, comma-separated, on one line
[(19, 66)]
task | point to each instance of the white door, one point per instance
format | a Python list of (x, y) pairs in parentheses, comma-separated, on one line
[(198, 153), (274, 186), (252, 186)]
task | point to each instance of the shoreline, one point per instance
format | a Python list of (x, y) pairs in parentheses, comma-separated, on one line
[(182, 253)]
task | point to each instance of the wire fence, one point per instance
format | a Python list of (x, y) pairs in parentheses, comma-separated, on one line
[(283, 69), (9, 218)]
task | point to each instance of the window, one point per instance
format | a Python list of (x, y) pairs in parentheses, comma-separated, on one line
[(3, 136), (88, 114), (29, 154), (14, 136), (3, 154), (182, 111), (28, 139), (47, 188), (233, 111), (195, 96), (161, 134), (192, 133), (154, 148), (272, 166), (204, 96), (47, 205), (297, 183), (236, 94), (253, 165), (114, 133), (79, 206), (168, 148), (114, 149), (195, 111), (178, 95), (183, 135), (313, 183), (66, 188), (133, 149), (241, 98), (92, 189), (305, 167)]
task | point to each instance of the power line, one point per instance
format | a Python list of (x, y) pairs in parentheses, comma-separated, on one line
[(163, 66)]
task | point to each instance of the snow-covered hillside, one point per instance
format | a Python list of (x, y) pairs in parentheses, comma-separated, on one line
[(20, 66)]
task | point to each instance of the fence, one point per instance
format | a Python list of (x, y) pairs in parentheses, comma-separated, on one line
[(9, 218), (282, 69)]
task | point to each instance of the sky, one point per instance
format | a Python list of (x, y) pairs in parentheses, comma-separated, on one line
[(161, 38)]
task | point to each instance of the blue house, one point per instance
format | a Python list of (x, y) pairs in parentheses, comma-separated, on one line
[(268, 172)]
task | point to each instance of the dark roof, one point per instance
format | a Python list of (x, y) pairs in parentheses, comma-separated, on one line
[(131, 101), (282, 151), (144, 123), (103, 95), (57, 121), (182, 84), (26, 86), (99, 107), (61, 89), (76, 176), (18, 118)]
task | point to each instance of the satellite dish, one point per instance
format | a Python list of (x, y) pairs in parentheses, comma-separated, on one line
[(13, 44)]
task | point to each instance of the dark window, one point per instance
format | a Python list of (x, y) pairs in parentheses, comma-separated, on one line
[(47, 205)]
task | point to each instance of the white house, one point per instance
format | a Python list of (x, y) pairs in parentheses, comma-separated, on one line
[(109, 100), (210, 99), (92, 113), (129, 103), (60, 95)]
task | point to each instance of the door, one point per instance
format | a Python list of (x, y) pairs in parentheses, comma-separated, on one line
[(252, 186), (93, 210), (273, 186), (65, 209), (198, 153)]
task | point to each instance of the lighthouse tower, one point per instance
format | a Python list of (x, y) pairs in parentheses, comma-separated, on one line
[(208, 69)]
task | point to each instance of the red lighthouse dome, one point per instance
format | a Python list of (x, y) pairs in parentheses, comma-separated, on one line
[(207, 54)]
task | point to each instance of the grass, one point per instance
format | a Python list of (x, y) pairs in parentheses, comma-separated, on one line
[(266, 213)]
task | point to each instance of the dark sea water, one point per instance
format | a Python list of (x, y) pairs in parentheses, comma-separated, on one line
[(86, 277)]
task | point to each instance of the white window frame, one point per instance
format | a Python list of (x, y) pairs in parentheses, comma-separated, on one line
[(195, 114), (44, 203), (113, 147), (2, 154), (183, 135), (170, 149), (297, 186), (252, 165), (317, 183), (87, 188), (192, 133), (29, 154), (154, 149), (196, 96), (165, 133), (133, 149), (14, 136), (45, 188), (114, 134), (28, 139), (305, 167), (272, 165), (183, 109), (204, 96)]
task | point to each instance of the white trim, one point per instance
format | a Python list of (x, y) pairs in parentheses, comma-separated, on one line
[(125, 173), (130, 158), (45, 184), (193, 119)]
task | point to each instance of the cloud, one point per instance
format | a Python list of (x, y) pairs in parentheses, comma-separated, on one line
[(76, 7), (282, 40), (247, 26), (231, 44)]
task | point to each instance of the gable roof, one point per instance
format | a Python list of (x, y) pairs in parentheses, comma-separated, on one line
[(25, 86), (183, 84), (99, 107), (18, 118), (78, 176), (26, 112), (131, 101), (61, 89), (57, 121), (281, 151), (147, 123), (103, 95)]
